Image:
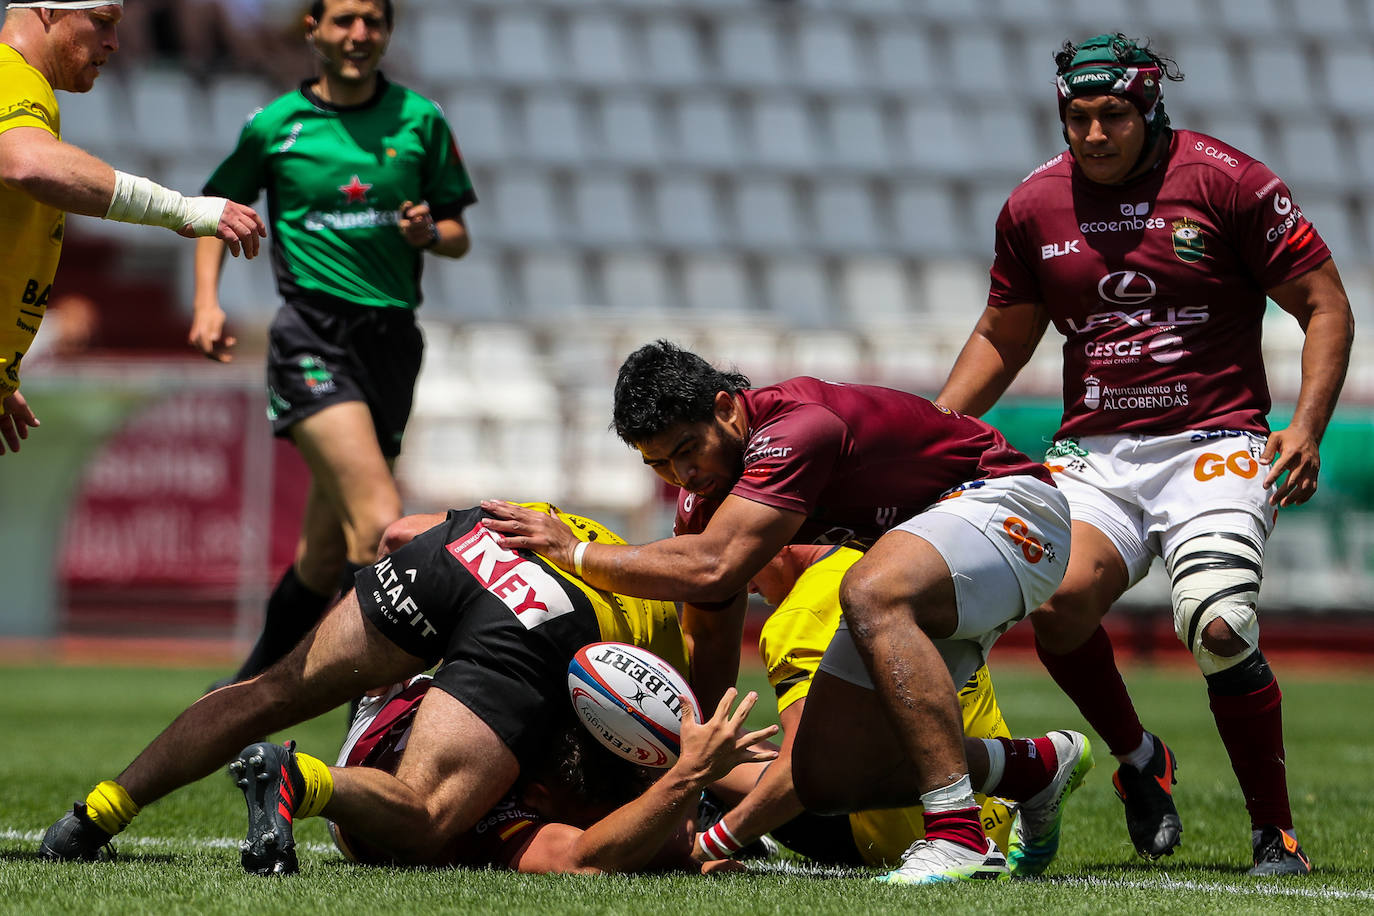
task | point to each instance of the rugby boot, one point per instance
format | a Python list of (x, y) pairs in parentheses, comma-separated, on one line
[(1278, 854), (75, 837), (938, 861), (1151, 818), (1035, 834), (272, 786)]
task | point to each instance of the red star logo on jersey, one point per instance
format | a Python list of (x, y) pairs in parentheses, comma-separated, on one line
[(355, 191)]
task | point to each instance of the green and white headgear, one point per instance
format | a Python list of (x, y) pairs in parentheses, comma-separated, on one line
[(1115, 65)]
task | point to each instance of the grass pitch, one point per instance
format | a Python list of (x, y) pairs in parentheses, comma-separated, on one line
[(67, 728)]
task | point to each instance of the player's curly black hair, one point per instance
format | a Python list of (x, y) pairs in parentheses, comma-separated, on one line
[(661, 384), (578, 764), (1124, 48)]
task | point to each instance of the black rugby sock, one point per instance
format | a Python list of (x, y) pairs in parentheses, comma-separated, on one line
[(291, 611)]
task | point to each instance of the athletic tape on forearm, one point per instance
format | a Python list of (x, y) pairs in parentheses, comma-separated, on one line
[(139, 200), (719, 842), (578, 553)]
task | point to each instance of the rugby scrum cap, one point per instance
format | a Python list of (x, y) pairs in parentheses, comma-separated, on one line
[(1115, 65)]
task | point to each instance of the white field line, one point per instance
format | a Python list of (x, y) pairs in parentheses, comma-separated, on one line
[(1277, 889)]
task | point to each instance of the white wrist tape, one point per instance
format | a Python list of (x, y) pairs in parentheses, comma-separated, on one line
[(139, 200), (578, 553)]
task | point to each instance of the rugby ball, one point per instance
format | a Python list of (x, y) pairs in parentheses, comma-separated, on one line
[(628, 698)]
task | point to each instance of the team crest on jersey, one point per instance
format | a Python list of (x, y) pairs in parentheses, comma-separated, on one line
[(1189, 245)]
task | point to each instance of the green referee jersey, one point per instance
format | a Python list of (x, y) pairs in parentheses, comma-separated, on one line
[(335, 180)]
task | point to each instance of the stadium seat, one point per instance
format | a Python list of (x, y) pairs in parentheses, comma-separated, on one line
[(982, 64), (636, 282), (935, 138), (686, 212), (1325, 18), (930, 221), (1282, 75), (1311, 155), (525, 206), (829, 55), (1332, 217), (767, 214), (1250, 18), (705, 132), (752, 349), (553, 127), (856, 135), (672, 53), (750, 52), (606, 210), (875, 291), (524, 49), (446, 42), (553, 283), (780, 134), (168, 111), (715, 283), (952, 294), (99, 122), (480, 121), (1349, 74), (846, 217), (829, 354), (630, 129), (473, 287), (599, 49), (797, 291), (904, 59), (1212, 77)]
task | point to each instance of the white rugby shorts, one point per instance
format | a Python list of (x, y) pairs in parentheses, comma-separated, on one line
[(1149, 494), (1006, 543)]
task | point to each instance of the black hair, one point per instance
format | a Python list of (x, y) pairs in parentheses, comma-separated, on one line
[(580, 765), (661, 384), (1122, 47), (389, 11)]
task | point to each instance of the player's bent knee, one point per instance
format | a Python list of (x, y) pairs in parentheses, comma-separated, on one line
[(1216, 579)]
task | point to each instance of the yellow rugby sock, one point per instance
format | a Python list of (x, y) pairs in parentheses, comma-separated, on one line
[(110, 807), (319, 785)]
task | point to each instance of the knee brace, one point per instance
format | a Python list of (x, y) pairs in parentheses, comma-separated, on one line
[(1216, 577)]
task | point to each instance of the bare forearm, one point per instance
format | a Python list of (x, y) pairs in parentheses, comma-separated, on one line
[(454, 241), (632, 837), (674, 569), (209, 262), (714, 638), (772, 803), (1000, 345), (1325, 358)]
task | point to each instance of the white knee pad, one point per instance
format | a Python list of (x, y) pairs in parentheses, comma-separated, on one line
[(1216, 577)]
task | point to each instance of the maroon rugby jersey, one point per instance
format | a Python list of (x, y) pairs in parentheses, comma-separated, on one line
[(856, 459), (1158, 285)]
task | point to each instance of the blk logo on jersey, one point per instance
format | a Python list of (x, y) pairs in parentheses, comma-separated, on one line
[(522, 585), (1059, 250)]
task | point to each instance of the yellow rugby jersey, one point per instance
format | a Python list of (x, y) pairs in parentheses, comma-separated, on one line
[(30, 232), (642, 622), (791, 645)]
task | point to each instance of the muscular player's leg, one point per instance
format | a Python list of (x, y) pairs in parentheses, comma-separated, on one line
[(896, 600), (1095, 578), (344, 656), (339, 443), (455, 769)]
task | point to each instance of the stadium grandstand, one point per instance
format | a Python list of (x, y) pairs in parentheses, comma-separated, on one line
[(791, 186)]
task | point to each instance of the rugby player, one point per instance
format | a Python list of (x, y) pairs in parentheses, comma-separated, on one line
[(580, 809), (967, 535), (1153, 250), (62, 44), (802, 584), (502, 626)]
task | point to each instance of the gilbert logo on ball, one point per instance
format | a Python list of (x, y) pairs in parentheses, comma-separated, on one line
[(628, 698)]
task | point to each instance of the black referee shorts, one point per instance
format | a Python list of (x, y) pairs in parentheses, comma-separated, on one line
[(321, 354)]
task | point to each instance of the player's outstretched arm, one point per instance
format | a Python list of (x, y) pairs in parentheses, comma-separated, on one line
[(15, 422), (771, 803), (67, 177), (634, 836), (207, 319), (1317, 299)]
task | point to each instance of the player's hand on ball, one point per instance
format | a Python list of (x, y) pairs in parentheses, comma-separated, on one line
[(715, 747)]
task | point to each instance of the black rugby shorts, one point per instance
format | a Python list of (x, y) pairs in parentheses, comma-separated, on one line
[(502, 624), (321, 354)]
